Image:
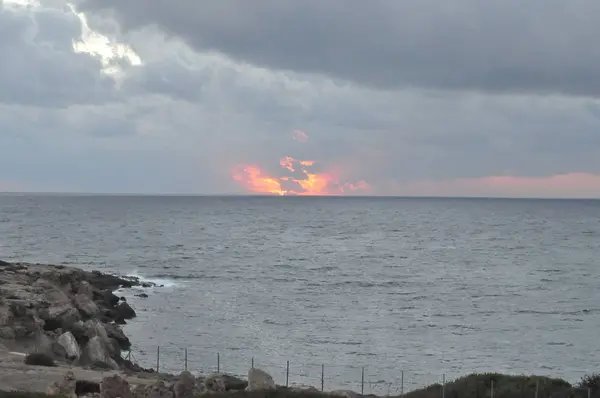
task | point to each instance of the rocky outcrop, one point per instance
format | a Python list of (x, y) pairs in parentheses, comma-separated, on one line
[(65, 312)]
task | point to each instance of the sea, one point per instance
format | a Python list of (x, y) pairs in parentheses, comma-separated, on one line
[(381, 295)]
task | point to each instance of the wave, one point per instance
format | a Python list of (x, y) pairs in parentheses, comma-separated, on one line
[(183, 277), (156, 280)]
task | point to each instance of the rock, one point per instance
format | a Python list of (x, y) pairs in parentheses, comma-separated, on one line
[(115, 387), (185, 386), (59, 316), (215, 383), (96, 351), (107, 298), (125, 311), (94, 328), (156, 390), (345, 394), (64, 388), (86, 289), (42, 344), (69, 343), (115, 332), (303, 388), (142, 295), (259, 380), (86, 306)]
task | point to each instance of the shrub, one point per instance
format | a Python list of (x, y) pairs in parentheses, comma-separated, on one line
[(39, 359)]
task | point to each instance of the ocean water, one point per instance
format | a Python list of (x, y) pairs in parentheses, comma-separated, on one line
[(410, 290)]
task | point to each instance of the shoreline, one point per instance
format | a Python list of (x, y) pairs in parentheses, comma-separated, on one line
[(75, 317)]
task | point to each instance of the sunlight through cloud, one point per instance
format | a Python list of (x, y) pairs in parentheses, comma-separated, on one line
[(113, 55)]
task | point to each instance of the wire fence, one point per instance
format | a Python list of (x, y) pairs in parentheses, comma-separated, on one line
[(361, 379)]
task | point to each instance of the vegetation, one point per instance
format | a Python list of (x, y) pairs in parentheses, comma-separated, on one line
[(39, 359), (471, 386)]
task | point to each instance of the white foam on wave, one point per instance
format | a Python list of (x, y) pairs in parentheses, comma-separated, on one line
[(165, 282)]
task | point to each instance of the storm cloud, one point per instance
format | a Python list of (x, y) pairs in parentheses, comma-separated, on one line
[(540, 46), (414, 98)]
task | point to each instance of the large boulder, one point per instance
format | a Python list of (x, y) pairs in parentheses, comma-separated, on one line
[(115, 387), (86, 306), (115, 332), (86, 289), (96, 352), (69, 343), (65, 388), (59, 315), (259, 380), (185, 386), (125, 311)]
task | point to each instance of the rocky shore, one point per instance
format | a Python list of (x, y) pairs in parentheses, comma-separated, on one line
[(66, 313), (60, 333)]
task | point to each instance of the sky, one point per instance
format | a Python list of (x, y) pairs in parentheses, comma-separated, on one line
[(337, 97)]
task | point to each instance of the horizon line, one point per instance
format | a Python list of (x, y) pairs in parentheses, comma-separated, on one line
[(255, 195)]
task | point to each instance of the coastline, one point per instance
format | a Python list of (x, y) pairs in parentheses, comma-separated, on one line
[(41, 304)]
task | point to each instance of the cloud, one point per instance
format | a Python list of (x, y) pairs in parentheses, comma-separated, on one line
[(571, 185), (544, 46), (39, 66), (138, 111)]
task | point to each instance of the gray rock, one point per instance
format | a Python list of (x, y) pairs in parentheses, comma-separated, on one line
[(185, 386), (86, 306), (115, 332), (69, 343), (259, 380), (115, 387), (97, 351), (125, 311), (86, 289), (345, 394)]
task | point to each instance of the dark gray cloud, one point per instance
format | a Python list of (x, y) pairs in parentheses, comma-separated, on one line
[(539, 46), (39, 65), (183, 118)]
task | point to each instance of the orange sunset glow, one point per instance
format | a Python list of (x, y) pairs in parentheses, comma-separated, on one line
[(301, 181)]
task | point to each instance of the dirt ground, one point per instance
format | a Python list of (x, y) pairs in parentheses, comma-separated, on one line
[(15, 375)]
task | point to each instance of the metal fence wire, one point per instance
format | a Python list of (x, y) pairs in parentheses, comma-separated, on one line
[(360, 379)]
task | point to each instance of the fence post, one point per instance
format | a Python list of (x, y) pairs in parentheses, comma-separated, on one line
[(252, 362), (402, 383), (492, 390), (287, 374), (157, 359), (537, 388), (589, 392), (444, 385), (362, 382), (218, 362), (186, 359), (322, 378)]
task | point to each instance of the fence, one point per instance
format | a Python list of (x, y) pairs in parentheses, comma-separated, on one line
[(324, 377)]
